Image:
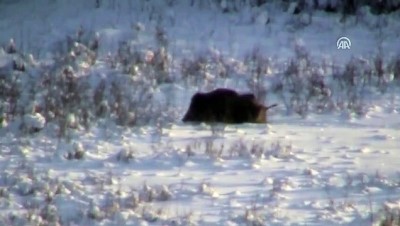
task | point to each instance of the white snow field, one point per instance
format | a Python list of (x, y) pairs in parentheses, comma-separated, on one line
[(93, 95)]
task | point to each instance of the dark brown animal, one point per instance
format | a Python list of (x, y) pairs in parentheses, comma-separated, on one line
[(226, 106)]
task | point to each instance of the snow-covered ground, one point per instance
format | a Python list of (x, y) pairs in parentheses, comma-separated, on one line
[(336, 166)]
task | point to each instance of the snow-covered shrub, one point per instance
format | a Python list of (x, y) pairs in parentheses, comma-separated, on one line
[(4, 193), (127, 58), (62, 91), (10, 48), (305, 85), (194, 70), (81, 42), (181, 220), (164, 194), (132, 201), (156, 65), (64, 94), (83, 56), (49, 214), (211, 151), (24, 186), (131, 101), (207, 189), (300, 15), (100, 103), (22, 219), (112, 205), (161, 37), (258, 66), (379, 70), (125, 155), (3, 122), (9, 93), (151, 215), (352, 82), (18, 86), (299, 83), (239, 148), (394, 68), (389, 215), (64, 100), (278, 150), (147, 194), (152, 64), (252, 215), (151, 194), (250, 150), (33, 122), (204, 68), (77, 152), (94, 212), (72, 101), (120, 105)]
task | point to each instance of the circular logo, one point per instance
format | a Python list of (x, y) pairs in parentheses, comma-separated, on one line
[(343, 43)]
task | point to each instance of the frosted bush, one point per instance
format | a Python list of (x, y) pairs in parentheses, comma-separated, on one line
[(147, 194), (94, 212), (132, 201), (33, 122), (278, 150), (150, 215), (390, 214), (50, 214), (205, 188), (77, 151), (164, 194), (4, 193), (24, 186), (125, 155)]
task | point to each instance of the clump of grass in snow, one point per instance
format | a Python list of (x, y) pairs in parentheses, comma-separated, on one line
[(94, 212), (389, 215), (396, 67), (77, 152), (150, 194), (253, 215), (240, 148), (126, 155), (257, 150), (205, 188), (211, 151), (279, 150)]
